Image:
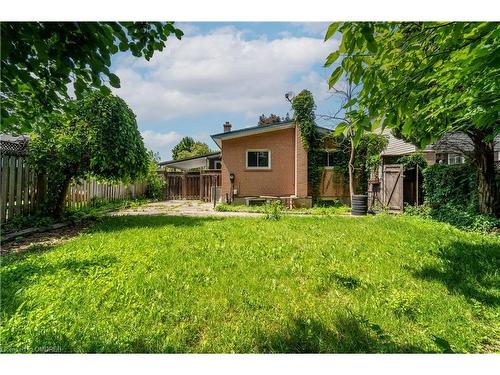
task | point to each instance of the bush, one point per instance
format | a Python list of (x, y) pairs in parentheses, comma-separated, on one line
[(154, 181), (274, 210), (451, 184), (456, 216)]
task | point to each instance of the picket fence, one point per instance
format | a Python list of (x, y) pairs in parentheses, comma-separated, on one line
[(19, 195)]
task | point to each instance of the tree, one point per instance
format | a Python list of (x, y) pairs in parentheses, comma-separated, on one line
[(98, 137), (427, 79), (188, 147), (347, 115), (272, 119), (185, 145), (39, 60), (363, 147)]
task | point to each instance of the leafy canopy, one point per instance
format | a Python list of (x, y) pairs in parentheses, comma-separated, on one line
[(188, 147), (39, 60), (98, 137), (423, 78)]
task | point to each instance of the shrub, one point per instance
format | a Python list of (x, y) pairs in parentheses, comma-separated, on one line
[(274, 210), (155, 183), (423, 211), (456, 216), (450, 184)]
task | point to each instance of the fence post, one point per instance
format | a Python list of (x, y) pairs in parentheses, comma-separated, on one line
[(4, 182), (184, 185)]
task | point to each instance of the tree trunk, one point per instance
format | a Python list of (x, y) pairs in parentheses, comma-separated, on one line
[(351, 168), (485, 164), (59, 207)]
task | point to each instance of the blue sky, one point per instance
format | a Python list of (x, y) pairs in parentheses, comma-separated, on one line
[(223, 72)]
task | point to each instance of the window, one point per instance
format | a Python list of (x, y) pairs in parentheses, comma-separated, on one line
[(217, 164), (455, 159), (329, 159), (259, 159)]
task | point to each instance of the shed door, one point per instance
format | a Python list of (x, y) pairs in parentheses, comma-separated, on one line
[(393, 186)]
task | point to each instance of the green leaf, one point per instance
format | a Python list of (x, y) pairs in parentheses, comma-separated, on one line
[(331, 30), (178, 34), (332, 57), (340, 128), (350, 103), (334, 77), (123, 46), (407, 126), (114, 81)]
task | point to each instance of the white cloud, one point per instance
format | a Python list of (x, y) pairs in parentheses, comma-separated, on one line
[(161, 142), (221, 72), (187, 28), (314, 28)]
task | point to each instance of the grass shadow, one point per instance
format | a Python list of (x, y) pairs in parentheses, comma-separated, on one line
[(468, 269), (350, 334), (118, 223), (17, 276)]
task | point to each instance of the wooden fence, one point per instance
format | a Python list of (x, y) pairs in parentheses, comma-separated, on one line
[(19, 195), (193, 185)]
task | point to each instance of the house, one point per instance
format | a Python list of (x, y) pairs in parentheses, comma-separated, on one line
[(395, 187), (263, 162), (452, 148)]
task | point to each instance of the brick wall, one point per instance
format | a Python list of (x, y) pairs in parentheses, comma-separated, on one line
[(279, 180)]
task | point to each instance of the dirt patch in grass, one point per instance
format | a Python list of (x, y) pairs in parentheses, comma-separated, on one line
[(51, 237)]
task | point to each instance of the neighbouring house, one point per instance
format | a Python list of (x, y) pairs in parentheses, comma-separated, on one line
[(394, 187), (257, 163), (269, 161)]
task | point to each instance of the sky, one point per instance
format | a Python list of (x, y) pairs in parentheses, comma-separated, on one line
[(223, 72)]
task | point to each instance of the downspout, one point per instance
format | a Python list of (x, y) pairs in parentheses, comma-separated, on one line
[(295, 161)]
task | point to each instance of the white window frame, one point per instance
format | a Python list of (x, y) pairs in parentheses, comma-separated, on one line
[(329, 151), (258, 150), (454, 155)]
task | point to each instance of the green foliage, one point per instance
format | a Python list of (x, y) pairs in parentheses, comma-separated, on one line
[(274, 210), (412, 160), (303, 106), (450, 184), (155, 183), (188, 147), (98, 137), (450, 193), (158, 284), (368, 158), (425, 78), (20, 222), (40, 59), (457, 216)]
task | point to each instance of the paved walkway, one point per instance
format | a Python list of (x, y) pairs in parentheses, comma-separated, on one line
[(179, 208)]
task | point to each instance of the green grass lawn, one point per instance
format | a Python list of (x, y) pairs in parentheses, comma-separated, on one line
[(299, 284)]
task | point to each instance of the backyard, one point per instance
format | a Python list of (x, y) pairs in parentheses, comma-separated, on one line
[(157, 283)]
